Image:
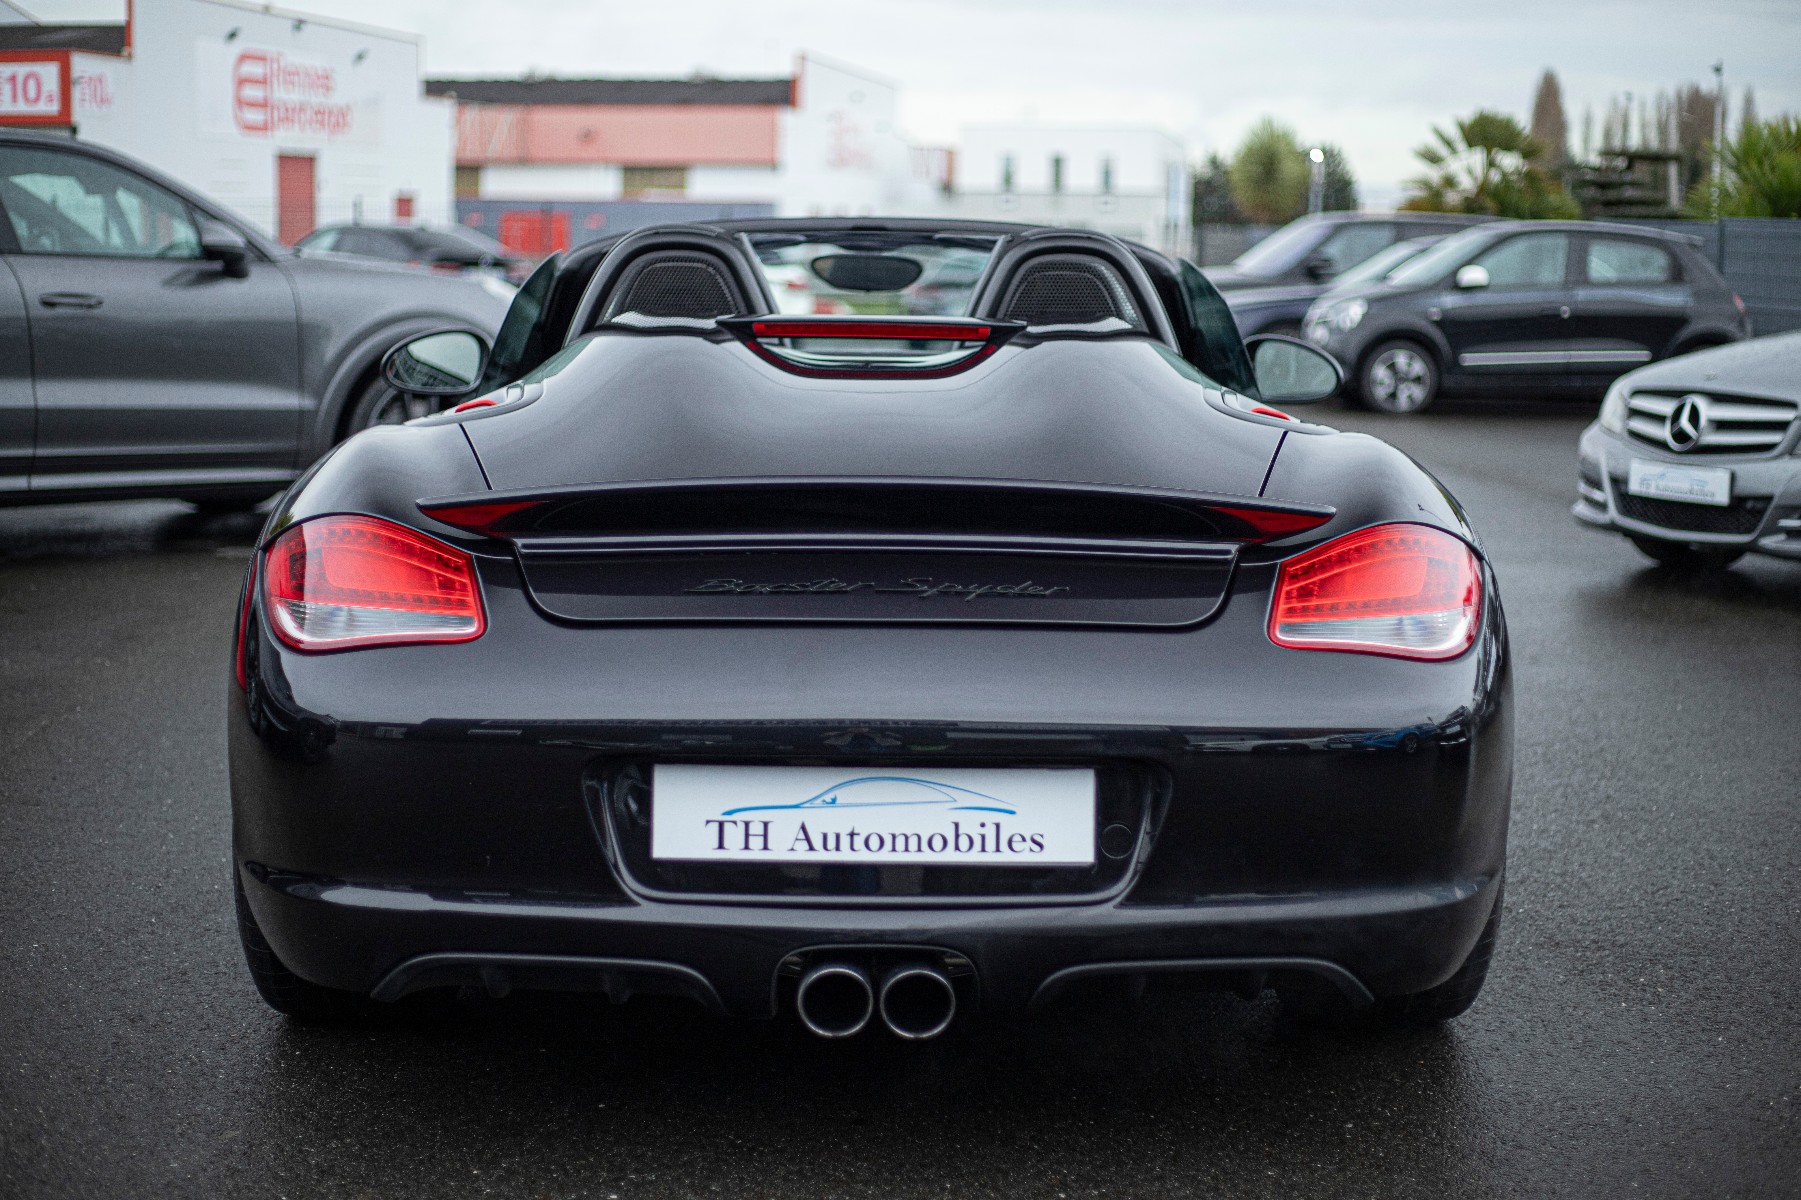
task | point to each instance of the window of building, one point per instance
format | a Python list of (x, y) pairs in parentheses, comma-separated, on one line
[(1006, 172), (1106, 176), (638, 180), (1056, 172)]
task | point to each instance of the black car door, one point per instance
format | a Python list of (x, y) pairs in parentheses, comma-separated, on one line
[(152, 368), (1631, 302), (1516, 324)]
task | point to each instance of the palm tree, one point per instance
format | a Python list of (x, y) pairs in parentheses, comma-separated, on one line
[(1488, 165)]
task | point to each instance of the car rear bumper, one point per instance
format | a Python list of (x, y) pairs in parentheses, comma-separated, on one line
[(730, 957)]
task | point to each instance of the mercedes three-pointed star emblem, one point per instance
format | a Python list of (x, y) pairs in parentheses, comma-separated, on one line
[(1686, 423)]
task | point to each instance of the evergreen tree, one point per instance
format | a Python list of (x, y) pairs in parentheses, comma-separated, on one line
[(1270, 174), (1341, 185), (1548, 127), (1213, 195)]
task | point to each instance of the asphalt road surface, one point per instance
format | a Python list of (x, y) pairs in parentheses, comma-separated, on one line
[(1640, 1034)]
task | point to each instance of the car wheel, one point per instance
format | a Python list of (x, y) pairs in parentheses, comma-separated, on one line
[(285, 991), (1399, 377), (379, 404), (1680, 556)]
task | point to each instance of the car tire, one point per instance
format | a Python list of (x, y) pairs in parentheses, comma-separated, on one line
[(1398, 376), (1689, 560), (1452, 998), (286, 992), (379, 404)]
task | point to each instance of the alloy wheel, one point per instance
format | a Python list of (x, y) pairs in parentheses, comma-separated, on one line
[(1400, 379)]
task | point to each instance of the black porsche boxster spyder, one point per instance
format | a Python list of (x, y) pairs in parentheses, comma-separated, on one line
[(871, 665)]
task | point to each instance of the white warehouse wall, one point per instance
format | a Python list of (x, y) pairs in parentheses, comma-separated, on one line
[(189, 102)]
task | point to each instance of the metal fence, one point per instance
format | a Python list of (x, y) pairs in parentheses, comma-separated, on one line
[(1761, 260), (1216, 245)]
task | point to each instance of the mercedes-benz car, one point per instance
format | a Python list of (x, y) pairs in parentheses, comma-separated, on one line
[(154, 344), (1698, 460), (869, 669)]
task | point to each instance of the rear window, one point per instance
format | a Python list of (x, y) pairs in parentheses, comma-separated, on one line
[(886, 274), (1618, 260)]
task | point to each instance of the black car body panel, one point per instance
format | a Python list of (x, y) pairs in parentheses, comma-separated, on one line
[(170, 376), (480, 813)]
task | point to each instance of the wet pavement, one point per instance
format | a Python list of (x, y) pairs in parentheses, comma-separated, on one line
[(1640, 1034)]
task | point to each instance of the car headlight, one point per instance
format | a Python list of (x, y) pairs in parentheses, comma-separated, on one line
[(1613, 408), (1346, 316)]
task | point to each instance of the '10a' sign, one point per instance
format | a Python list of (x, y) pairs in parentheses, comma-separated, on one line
[(30, 89)]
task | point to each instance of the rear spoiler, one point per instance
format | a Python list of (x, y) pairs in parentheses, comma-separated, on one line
[(816, 509), (771, 338)]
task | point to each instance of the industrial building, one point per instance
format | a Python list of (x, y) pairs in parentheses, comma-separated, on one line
[(290, 119)]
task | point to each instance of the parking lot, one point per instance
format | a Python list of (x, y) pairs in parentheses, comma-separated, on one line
[(1640, 1034)]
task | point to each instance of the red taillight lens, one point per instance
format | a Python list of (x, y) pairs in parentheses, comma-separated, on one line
[(332, 583), (1404, 590)]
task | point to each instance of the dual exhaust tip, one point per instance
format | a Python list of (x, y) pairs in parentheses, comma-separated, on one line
[(838, 1000)]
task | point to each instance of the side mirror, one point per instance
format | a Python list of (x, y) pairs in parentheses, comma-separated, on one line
[(1319, 269), (225, 246), (1472, 276), (436, 364), (1289, 371)]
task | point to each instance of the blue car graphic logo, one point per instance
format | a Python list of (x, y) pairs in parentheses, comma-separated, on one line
[(901, 791)]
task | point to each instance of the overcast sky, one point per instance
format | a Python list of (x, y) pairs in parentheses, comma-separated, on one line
[(1370, 77)]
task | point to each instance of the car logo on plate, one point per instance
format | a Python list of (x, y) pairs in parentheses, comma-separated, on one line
[(1686, 423)]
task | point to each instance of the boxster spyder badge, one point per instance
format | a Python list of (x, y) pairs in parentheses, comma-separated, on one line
[(865, 670)]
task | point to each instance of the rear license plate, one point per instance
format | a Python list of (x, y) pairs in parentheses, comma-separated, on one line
[(977, 816), (1666, 481)]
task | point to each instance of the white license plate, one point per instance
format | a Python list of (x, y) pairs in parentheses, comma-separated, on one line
[(977, 816), (1666, 481)]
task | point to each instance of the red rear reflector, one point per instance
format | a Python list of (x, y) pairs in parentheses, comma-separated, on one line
[(336, 582), (1270, 524), (1263, 411), (484, 402), (241, 651), (477, 518), (903, 331), (1408, 591)]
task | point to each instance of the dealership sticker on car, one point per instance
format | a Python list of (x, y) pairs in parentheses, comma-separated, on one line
[(1667, 481), (966, 816)]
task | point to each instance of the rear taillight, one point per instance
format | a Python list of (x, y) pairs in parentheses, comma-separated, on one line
[(1409, 591), (336, 582)]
